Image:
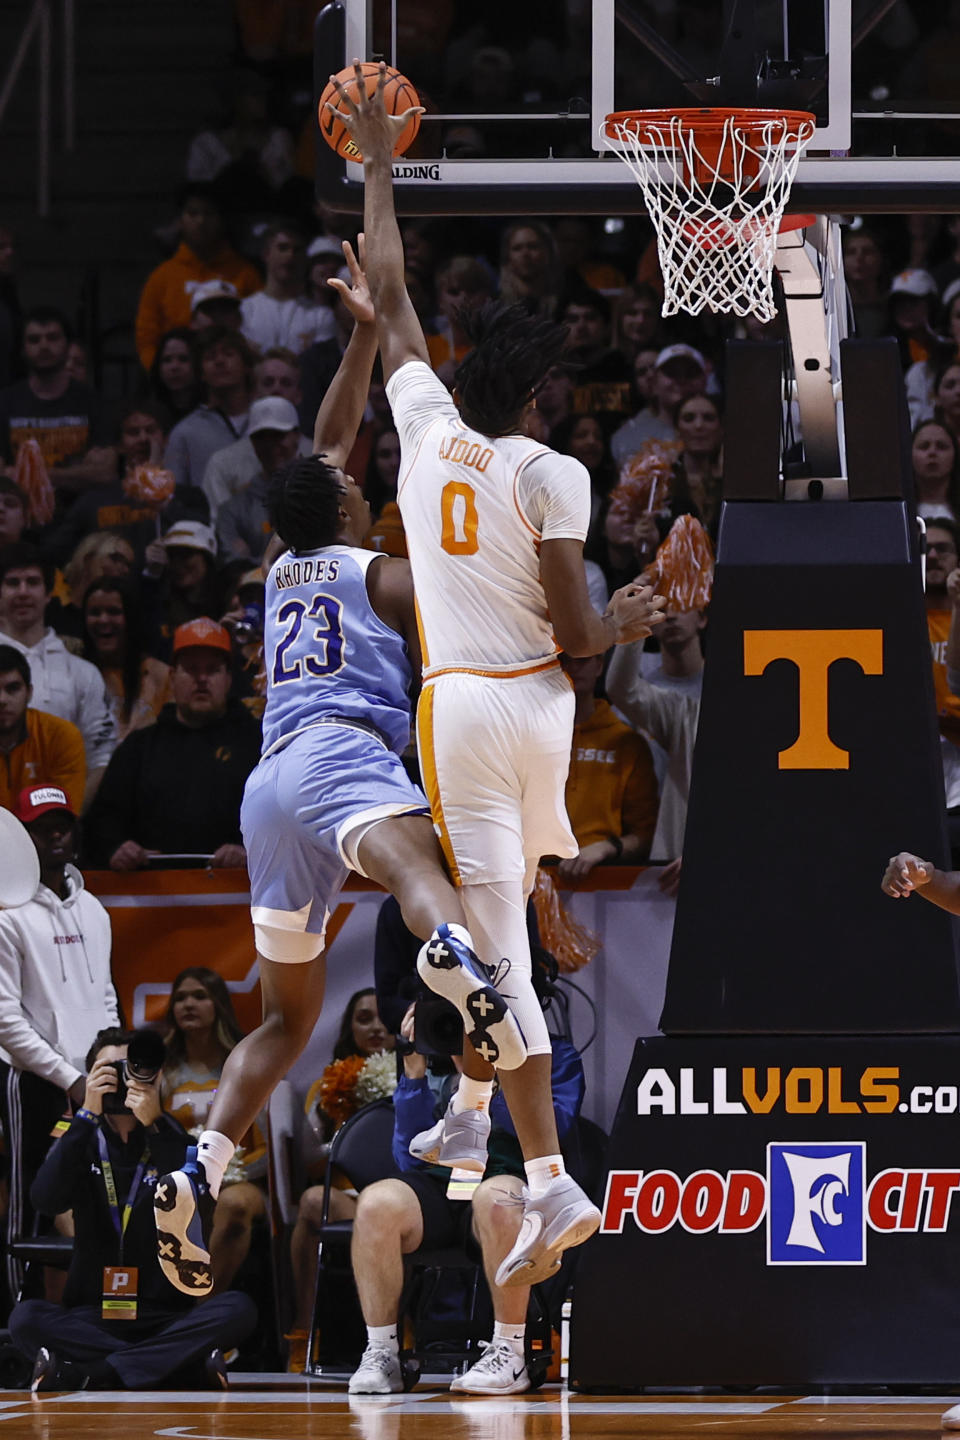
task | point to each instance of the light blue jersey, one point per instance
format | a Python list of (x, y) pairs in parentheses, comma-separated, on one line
[(327, 653)]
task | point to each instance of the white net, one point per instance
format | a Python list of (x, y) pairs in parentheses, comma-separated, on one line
[(716, 197)]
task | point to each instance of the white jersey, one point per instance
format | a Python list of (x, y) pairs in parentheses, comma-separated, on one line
[(475, 510)]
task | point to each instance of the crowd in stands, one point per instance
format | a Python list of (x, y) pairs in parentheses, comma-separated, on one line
[(131, 597)]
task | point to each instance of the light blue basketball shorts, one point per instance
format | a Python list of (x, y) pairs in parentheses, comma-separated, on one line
[(305, 809)]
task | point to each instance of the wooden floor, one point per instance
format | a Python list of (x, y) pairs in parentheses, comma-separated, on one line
[(261, 1407)]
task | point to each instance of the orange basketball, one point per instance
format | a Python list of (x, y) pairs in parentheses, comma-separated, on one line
[(398, 96)]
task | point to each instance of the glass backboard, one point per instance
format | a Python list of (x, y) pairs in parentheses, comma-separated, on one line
[(516, 94)]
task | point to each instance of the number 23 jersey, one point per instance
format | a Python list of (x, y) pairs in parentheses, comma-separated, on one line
[(327, 653), (475, 510)]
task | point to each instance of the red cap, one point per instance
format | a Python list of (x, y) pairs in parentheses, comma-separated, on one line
[(203, 633), (37, 800)]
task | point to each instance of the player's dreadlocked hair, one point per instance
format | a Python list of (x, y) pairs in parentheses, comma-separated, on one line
[(303, 500), (513, 351)]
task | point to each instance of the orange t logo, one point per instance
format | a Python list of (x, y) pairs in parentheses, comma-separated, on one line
[(813, 652)]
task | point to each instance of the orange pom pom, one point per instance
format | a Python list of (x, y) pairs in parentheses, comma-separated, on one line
[(646, 480), (150, 485), (30, 475), (398, 96), (683, 569)]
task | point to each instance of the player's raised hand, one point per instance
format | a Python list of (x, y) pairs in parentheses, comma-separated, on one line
[(356, 296), (636, 610), (372, 130), (904, 874)]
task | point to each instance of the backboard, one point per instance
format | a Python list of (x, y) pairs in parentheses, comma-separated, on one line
[(517, 93)]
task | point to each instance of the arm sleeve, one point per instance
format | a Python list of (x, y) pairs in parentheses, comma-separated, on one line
[(553, 492), (638, 813), (646, 707), (27, 1049), (413, 1110), (68, 763), (96, 720), (417, 398)]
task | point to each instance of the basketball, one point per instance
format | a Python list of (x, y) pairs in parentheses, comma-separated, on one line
[(398, 96)]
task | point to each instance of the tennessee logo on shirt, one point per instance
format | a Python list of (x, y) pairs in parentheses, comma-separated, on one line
[(60, 437), (223, 753)]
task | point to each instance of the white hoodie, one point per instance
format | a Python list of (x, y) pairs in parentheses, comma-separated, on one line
[(65, 685), (55, 985)]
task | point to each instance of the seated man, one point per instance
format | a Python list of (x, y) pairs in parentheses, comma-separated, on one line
[(395, 1217), (121, 1326), (176, 787), (34, 744)]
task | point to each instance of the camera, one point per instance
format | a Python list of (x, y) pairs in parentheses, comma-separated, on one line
[(145, 1056), (437, 1027)]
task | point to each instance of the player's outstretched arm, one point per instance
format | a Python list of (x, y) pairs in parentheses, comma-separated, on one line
[(375, 133), (341, 412), (907, 873), (632, 614), (390, 588)]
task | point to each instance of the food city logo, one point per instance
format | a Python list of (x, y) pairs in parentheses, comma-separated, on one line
[(797, 1090), (815, 1198)]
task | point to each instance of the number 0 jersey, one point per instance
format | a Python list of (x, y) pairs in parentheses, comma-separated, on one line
[(327, 653), (475, 510)]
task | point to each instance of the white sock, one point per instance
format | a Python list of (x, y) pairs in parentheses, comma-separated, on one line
[(216, 1152), (541, 1171), (385, 1335), (472, 1095), (513, 1334)]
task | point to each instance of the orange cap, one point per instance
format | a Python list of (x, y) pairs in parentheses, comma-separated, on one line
[(203, 633)]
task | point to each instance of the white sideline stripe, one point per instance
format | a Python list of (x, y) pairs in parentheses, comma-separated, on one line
[(166, 902), (937, 1400), (406, 1404)]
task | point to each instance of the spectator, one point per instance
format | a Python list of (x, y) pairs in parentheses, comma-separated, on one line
[(946, 392), (34, 745), (180, 580), (231, 469), (601, 376), (948, 271), (680, 371), (78, 362), (362, 1033), (203, 254), (200, 1030), (913, 305), (51, 408), (215, 302), (529, 272), (936, 471), (324, 262), (277, 372), (942, 560), (236, 489), (226, 369), (138, 684), (11, 319), (667, 711), (175, 372), (383, 471), (865, 268), (63, 684), (249, 143), (578, 240), (584, 437), (699, 468), (611, 794), (554, 399), (13, 512), (55, 994), (176, 787), (282, 313), (396, 1216), (462, 283), (98, 556), (123, 506), (162, 1333), (921, 377), (636, 321)]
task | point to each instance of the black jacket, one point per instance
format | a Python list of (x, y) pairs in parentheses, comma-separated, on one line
[(71, 1178), (175, 789)]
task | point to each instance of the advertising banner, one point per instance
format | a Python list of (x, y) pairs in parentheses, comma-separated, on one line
[(779, 1211)]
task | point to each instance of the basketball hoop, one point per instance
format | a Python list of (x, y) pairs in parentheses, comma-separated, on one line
[(715, 183)]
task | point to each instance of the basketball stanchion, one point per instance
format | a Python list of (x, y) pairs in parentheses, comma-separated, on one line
[(782, 1201)]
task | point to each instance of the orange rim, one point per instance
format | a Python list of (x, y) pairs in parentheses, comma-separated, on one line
[(648, 125)]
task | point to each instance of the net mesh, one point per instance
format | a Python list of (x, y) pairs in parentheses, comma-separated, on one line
[(715, 194)]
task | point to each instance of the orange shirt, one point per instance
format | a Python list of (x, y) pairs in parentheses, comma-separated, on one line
[(51, 753), (612, 786), (165, 299), (948, 704)]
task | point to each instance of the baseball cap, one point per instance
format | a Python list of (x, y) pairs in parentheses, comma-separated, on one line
[(917, 283), (251, 577), (324, 245), (272, 412), (680, 352), (213, 290), (37, 800), (202, 634), (191, 535)]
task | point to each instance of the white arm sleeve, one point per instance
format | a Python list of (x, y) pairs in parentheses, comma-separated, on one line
[(553, 491), (417, 398)]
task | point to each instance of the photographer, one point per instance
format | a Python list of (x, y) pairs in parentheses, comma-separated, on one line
[(122, 1326)]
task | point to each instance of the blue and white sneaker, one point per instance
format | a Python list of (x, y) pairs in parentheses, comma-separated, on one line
[(451, 969), (183, 1207)]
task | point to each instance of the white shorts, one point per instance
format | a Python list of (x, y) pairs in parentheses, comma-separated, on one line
[(494, 755)]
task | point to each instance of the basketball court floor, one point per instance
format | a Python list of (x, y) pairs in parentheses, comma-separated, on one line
[(261, 1407)]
